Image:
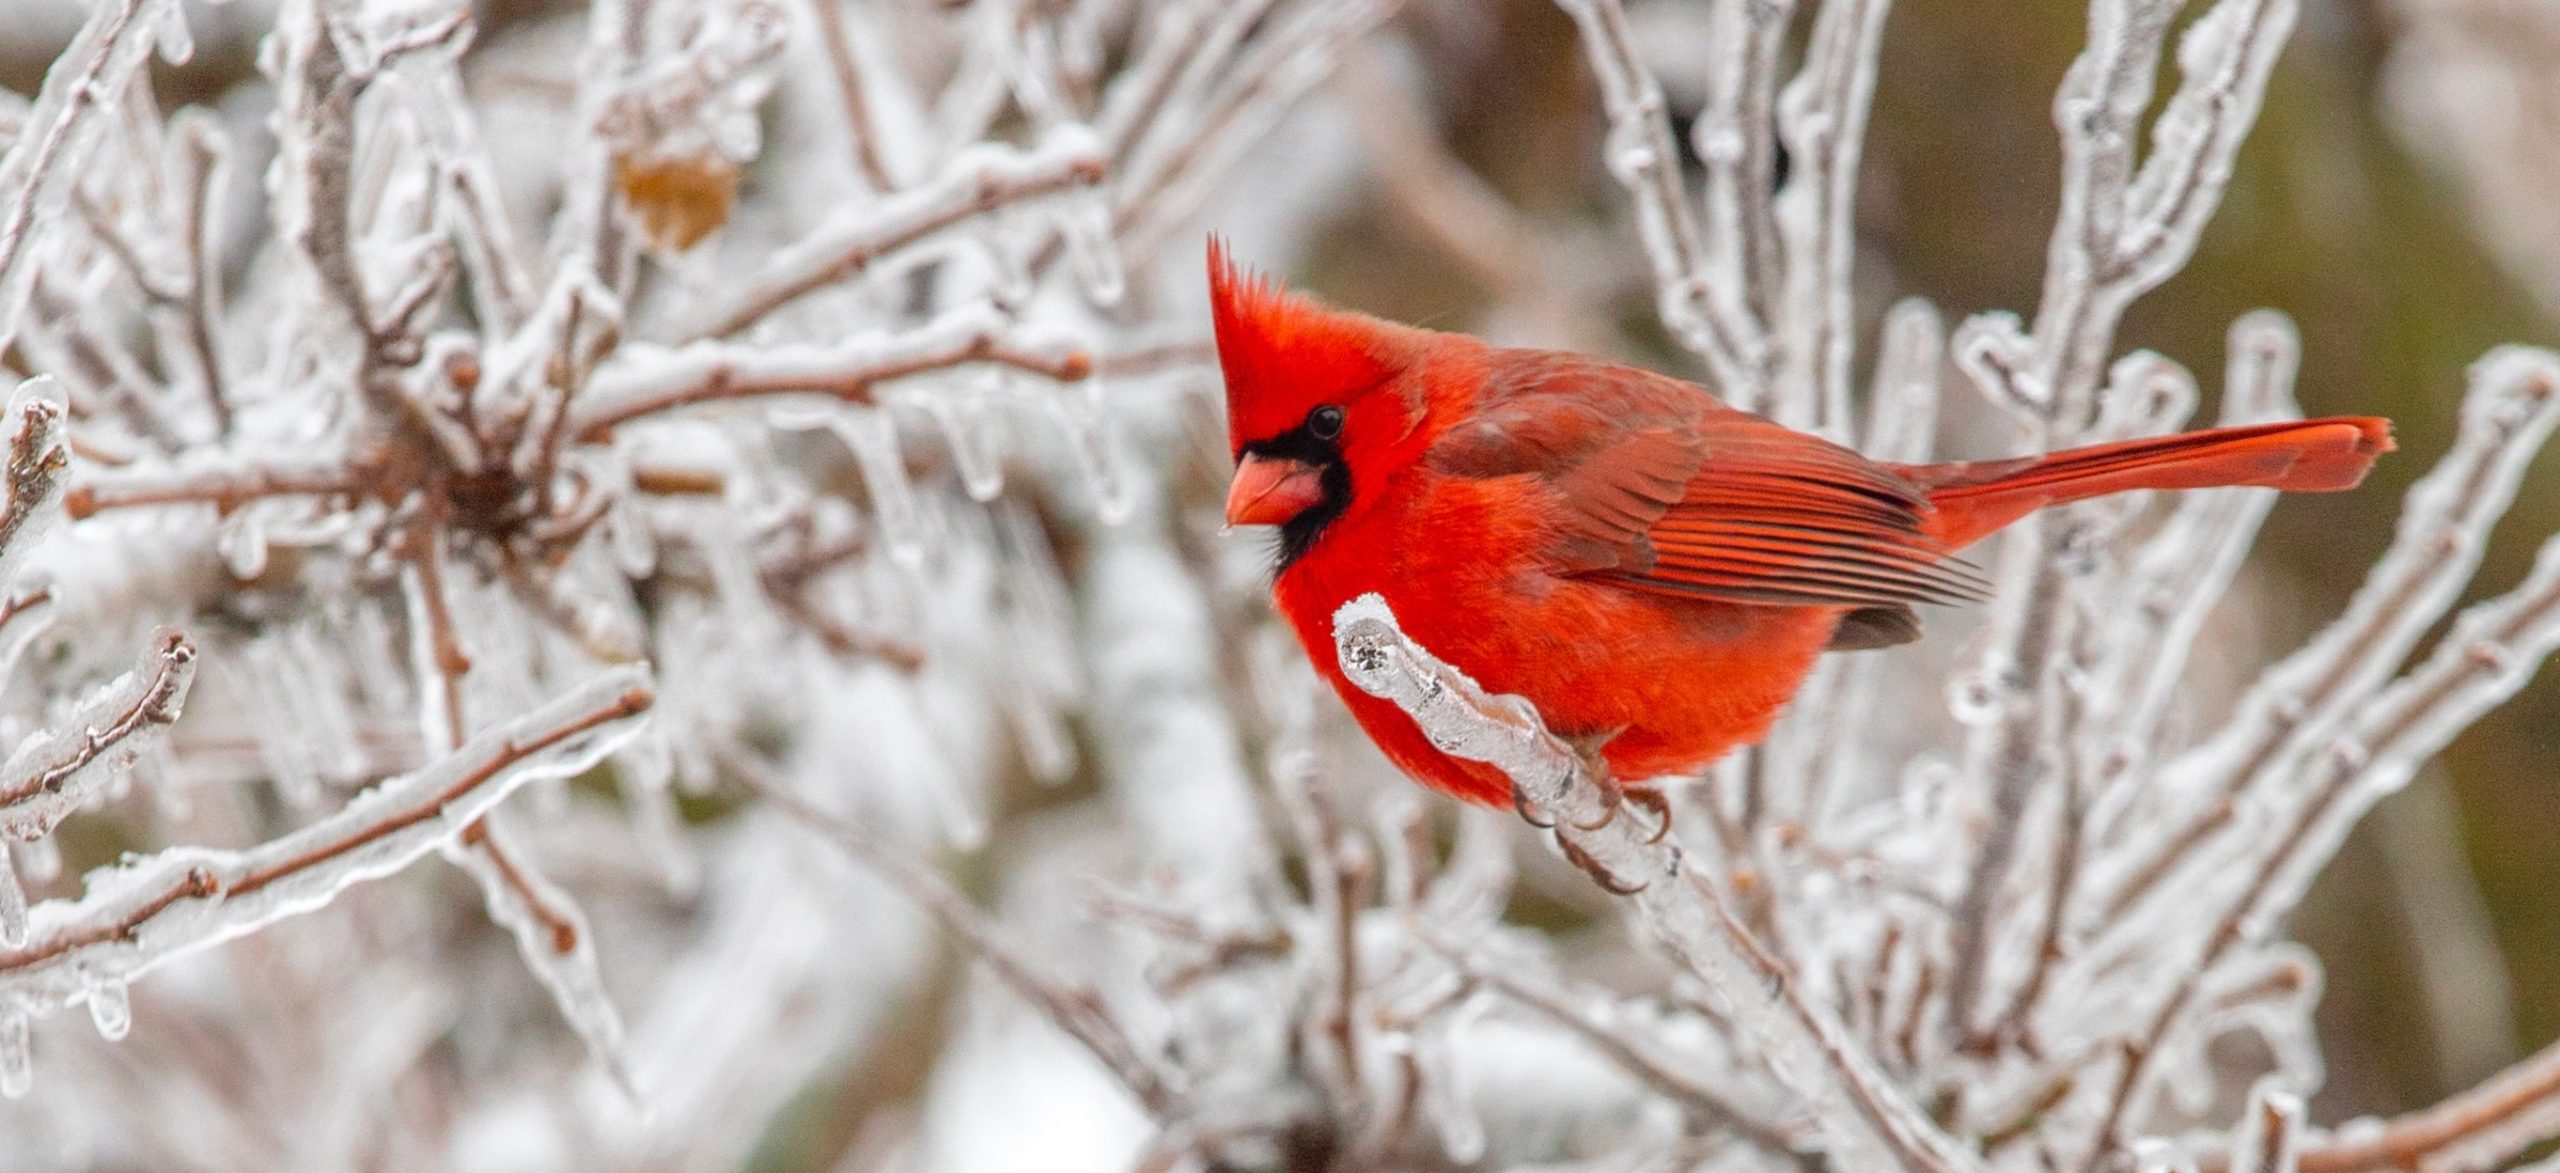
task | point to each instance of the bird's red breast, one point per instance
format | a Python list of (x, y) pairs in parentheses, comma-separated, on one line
[(1655, 571)]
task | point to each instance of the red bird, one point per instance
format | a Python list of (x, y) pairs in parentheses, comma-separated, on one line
[(1652, 569)]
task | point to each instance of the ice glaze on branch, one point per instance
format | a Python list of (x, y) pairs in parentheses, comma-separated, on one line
[(139, 915), (645, 382), (978, 182)]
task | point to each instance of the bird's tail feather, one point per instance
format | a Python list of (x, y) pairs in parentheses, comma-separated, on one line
[(1975, 499)]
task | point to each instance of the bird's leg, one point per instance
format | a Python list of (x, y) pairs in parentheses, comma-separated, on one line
[(1595, 765)]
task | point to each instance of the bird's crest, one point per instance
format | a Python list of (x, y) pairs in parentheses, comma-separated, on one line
[(1283, 354)]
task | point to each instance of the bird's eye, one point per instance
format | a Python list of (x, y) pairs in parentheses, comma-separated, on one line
[(1325, 422)]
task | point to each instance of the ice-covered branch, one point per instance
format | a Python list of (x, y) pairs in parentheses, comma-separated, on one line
[(225, 487), (978, 182), (1867, 1121), (36, 459), (2481, 1129), (646, 381), (146, 912), (1702, 304), (41, 161), (50, 776)]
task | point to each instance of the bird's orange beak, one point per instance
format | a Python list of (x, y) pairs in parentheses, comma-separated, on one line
[(1269, 490)]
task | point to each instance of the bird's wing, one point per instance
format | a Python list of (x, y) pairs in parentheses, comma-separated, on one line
[(1659, 487)]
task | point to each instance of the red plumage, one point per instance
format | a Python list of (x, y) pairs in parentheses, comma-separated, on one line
[(1654, 570)]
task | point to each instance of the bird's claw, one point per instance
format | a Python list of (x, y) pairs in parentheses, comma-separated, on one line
[(1655, 803), (1592, 867), (1529, 814)]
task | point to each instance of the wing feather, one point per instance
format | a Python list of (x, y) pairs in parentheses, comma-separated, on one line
[(1659, 487)]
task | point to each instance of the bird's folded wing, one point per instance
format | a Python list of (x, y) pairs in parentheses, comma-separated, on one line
[(1659, 488)]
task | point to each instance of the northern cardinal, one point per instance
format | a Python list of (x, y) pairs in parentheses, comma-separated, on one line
[(1654, 570)]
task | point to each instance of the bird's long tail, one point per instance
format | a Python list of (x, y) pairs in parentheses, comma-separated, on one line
[(1975, 499)]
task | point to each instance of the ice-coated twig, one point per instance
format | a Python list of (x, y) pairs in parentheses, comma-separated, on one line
[(551, 935), (2224, 61), (226, 487), (1867, 1121), (978, 182), (857, 103), (2512, 406), (111, 45), (1075, 1009), (2478, 1130), (50, 776), (646, 381), (1701, 306), (32, 475), (1823, 115), (1641, 1058), (143, 913)]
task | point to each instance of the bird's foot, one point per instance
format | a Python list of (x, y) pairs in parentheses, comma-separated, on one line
[(1592, 867), (1655, 802), (1529, 814), (1595, 766)]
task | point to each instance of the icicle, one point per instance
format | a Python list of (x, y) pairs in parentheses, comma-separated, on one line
[(1048, 750), (1095, 439), (635, 549), (40, 860), (13, 904), (1013, 280), (1086, 227), (17, 1057), (111, 1009), (873, 437), (552, 936), (241, 540), (1449, 1100), (973, 426), (171, 36)]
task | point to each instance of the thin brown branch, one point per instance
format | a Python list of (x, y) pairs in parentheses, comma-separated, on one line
[(837, 253), (37, 458), (225, 489), (857, 104), (154, 700), (695, 375)]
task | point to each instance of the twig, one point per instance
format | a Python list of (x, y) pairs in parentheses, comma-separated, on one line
[(857, 105), (974, 185), (225, 487), (41, 782), (32, 476), (707, 372), (1711, 1106), (1074, 1009), (95, 66), (2477, 1130)]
